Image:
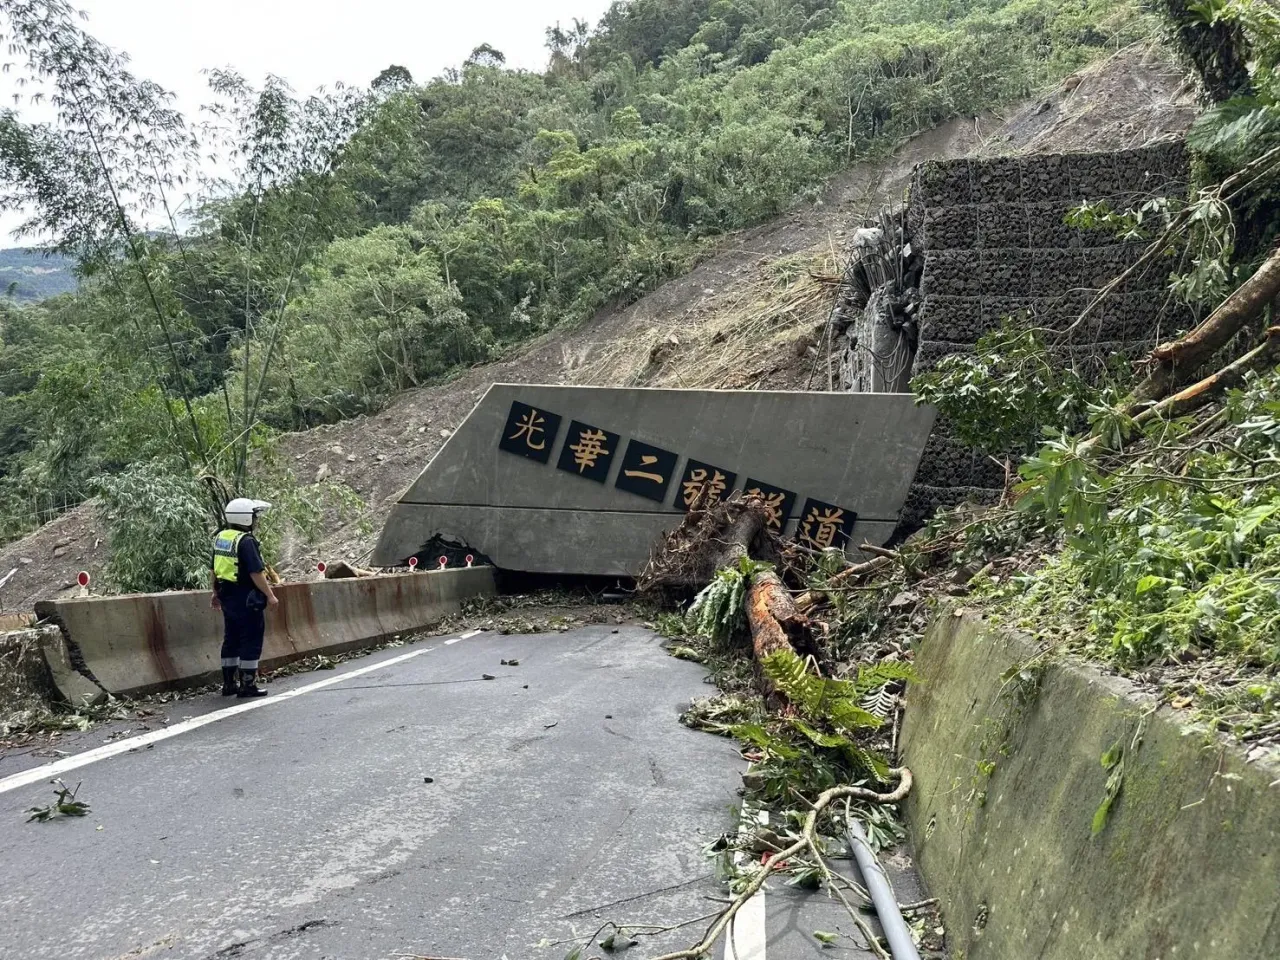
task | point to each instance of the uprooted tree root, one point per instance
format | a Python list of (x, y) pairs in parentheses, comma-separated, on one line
[(732, 538), (718, 535), (710, 537)]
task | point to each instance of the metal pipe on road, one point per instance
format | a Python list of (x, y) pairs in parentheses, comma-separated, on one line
[(882, 897)]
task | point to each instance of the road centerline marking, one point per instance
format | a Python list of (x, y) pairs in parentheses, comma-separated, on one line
[(748, 931), (56, 768)]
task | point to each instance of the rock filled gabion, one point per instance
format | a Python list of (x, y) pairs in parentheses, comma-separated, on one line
[(995, 244)]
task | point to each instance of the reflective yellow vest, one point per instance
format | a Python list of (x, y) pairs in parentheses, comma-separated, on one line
[(226, 555)]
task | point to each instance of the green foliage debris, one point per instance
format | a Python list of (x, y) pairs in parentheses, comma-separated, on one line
[(65, 805)]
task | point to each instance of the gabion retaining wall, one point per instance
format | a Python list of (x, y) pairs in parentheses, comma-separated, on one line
[(995, 244)]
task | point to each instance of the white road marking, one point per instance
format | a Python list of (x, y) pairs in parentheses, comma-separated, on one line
[(746, 937), (58, 767)]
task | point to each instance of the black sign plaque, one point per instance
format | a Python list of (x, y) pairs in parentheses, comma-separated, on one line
[(646, 470), (825, 526), (777, 501), (530, 432), (588, 451), (699, 476)]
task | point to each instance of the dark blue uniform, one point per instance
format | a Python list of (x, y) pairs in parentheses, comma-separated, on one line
[(243, 606)]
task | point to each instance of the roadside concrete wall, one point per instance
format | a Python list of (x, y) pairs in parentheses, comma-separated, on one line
[(535, 510), (1007, 761), (142, 643), (995, 244)]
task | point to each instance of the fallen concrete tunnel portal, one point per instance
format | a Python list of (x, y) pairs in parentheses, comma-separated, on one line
[(583, 480)]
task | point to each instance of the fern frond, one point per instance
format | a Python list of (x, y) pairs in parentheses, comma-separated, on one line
[(719, 610), (847, 715), (880, 702), (758, 736), (833, 701), (861, 758), (831, 741), (827, 691), (886, 671), (787, 673), (1239, 129)]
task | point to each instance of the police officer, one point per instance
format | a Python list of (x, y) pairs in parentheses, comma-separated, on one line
[(243, 593)]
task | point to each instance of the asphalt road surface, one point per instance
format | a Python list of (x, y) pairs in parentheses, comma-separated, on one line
[(563, 793)]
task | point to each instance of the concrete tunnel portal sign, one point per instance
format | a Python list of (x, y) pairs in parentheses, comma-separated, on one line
[(585, 479), (647, 471)]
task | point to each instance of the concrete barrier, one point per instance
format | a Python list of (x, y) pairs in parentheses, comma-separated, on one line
[(1010, 779), (142, 643)]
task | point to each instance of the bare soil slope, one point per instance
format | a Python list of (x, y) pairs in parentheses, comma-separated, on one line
[(747, 317)]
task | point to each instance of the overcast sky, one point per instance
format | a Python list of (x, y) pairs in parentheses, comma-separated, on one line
[(314, 43)]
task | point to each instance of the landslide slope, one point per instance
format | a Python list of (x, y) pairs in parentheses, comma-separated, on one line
[(748, 317)]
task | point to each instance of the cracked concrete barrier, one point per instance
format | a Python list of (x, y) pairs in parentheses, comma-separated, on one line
[(583, 480), (142, 643)]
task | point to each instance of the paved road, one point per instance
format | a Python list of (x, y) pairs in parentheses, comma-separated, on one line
[(564, 793)]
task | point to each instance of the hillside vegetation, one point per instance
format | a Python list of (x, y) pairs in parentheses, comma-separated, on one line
[(363, 241)]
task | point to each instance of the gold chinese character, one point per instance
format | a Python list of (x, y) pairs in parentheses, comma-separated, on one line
[(828, 524), (589, 448), (646, 461), (530, 427), (698, 480), (772, 506)]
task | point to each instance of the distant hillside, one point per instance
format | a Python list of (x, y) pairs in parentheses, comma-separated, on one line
[(27, 275)]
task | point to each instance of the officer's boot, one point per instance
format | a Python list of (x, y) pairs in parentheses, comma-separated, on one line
[(229, 685), (248, 688)]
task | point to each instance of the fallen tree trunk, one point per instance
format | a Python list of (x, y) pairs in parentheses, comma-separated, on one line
[(775, 622), (772, 616), (809, 598), (742, 533), (1232, 375), (1189, 353), (1198, 394), (717, 537)]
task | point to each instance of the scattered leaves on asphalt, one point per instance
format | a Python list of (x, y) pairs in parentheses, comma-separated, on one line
[(66, 804)]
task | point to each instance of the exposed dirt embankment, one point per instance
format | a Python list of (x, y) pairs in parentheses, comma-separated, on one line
[(747, 317)]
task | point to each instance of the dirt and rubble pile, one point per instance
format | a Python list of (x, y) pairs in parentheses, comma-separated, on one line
[(747, 317)]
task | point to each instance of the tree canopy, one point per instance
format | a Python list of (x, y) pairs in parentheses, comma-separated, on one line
[(358, 241)]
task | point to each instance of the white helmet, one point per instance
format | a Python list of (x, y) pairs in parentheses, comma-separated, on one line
[(242, 511)]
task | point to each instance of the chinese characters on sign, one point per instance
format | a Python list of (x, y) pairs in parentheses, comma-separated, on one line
[(588, 451), (648, 471), (530, 432), (699, 476), (777, 502), (823, 525)]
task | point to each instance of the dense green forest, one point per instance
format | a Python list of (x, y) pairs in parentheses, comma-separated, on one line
[(357, 242)]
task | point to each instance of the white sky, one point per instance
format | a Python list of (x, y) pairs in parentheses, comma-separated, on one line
[(314, 43)]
